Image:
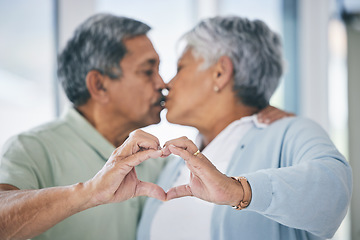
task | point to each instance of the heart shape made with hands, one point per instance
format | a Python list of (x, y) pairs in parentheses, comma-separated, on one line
[(206, 182), (131, 186), (118, 181)]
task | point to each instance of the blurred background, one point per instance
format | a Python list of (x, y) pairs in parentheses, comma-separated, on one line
[(321, 43)]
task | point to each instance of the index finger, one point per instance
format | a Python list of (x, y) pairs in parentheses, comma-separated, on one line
[(197, 164), (139, 157), (145, 140), (126, 164), (136, 142), (182, 142)]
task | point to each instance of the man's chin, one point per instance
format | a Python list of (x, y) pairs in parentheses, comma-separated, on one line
[(155, 119)]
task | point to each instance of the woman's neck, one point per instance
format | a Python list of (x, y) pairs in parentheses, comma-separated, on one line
[(211, 128)]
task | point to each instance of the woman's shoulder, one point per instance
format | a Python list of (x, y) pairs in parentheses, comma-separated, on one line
[(294, 123), (298, 129)]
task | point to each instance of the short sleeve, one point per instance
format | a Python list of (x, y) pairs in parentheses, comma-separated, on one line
[(24, 163)]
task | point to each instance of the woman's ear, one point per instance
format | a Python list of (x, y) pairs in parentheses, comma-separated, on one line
[(95, 83), (223, 72)]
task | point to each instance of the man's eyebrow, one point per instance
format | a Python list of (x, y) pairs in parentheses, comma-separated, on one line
[(151, 62)]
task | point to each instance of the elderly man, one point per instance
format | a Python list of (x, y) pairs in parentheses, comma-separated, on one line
[(110, 100)]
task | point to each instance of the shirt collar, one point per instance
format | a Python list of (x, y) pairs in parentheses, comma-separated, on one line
[(87, 132), (253, 118)]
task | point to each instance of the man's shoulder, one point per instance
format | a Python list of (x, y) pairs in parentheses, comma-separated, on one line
[(38, 133), (48, 127)]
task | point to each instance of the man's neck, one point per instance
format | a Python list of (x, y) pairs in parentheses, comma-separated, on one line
[(115, 132)]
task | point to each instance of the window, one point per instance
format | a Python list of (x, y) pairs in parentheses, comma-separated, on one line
[(26, 65)]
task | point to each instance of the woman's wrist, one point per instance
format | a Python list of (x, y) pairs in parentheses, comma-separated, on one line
[(245, 197)]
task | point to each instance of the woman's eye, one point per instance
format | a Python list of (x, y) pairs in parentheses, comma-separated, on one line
[(179, 68)]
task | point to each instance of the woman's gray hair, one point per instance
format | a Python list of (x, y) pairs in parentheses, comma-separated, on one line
[(97, 44), (255, 51)]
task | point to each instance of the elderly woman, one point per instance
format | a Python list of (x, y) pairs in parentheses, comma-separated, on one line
[(287, 179)]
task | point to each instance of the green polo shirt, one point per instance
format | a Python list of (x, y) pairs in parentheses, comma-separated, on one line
[(68, 151)]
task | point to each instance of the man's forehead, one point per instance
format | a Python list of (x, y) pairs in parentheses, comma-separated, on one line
[(145, 60), (141, 50)]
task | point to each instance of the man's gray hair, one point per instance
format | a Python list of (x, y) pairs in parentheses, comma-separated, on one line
[(97, 44), (255, 51)]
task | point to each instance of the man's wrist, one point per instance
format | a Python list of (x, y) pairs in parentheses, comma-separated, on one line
[(82, 197)]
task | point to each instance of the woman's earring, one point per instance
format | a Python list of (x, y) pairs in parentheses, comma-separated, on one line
[(216, 89)]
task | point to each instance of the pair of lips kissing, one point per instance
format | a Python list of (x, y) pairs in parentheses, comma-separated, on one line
[(162, 99)]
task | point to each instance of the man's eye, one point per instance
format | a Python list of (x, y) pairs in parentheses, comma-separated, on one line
[(149, 72)]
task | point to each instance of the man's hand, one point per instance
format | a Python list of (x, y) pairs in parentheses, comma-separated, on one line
[(206, 182), (117, 180), (271, 114)]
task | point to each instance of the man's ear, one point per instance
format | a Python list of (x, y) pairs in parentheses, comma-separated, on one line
[(223, 72), (95, 83)]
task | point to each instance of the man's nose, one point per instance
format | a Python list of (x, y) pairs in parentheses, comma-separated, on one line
[(159, 82)]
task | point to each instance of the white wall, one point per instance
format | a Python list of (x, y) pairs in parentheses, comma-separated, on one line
[(313, 22)]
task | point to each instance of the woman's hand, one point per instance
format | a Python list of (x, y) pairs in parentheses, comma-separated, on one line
[(271, 114), (206, 182), (117, 180)]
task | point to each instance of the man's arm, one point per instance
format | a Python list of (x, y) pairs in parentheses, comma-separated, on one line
[(27, 213)]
